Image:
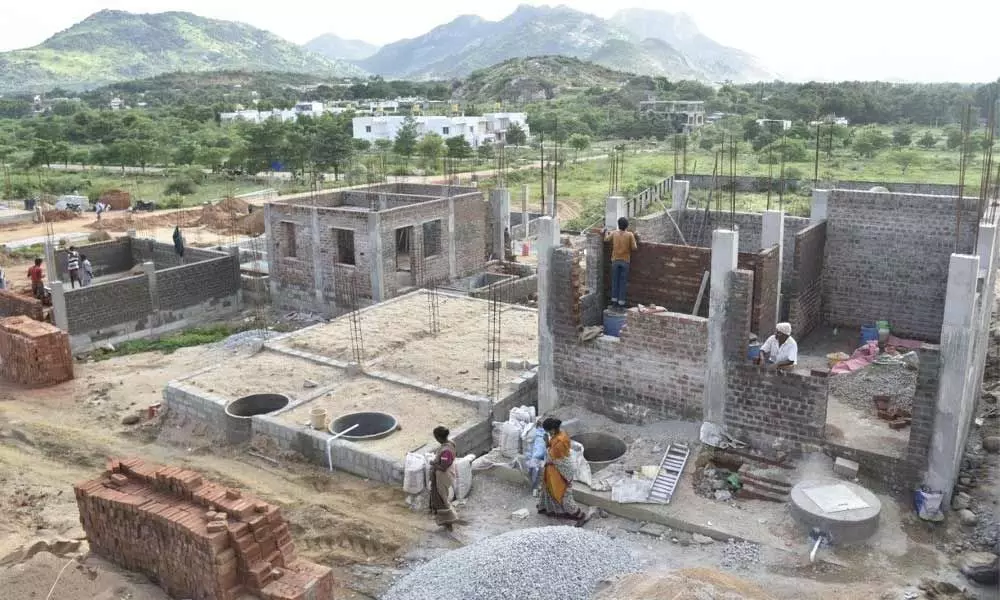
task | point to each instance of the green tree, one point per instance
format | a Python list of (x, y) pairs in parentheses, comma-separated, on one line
[(458, 147), (406, 138), (902, 137), (431, 147), (515, 135), (953, 138), (485, 151), (42, 153), (928, 140), (383, 145), (792, 150), (332, 145), (579, 142), (906, 159), (870, 142)]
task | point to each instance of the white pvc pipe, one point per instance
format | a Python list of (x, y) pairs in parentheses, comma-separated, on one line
[(329, 442), (812, 555)]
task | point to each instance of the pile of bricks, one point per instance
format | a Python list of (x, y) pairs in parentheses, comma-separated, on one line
[(34, 353), (21, 302), (117, 199), (196, 539)]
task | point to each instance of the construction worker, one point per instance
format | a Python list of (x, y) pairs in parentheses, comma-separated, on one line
[(780, 351), (622, 245)]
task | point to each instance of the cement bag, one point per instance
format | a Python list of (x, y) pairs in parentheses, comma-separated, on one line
[(631, 490), (413, 473), (581, 468), (524, 414), (429, 472), (528, 437), (463, 483), (510, 439)]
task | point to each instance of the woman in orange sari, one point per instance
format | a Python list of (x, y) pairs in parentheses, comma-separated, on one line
[(556, 499)]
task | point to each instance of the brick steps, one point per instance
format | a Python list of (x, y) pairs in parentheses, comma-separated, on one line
[(759, 483)]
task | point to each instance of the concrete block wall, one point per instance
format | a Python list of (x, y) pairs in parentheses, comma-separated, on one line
[(13, 304), (805, 307), (112, 306), (760, 184), (436, 268), (887, 257), (192, 284), (164, 256), (112, 256), (472, 235), (625, 378), (765, 268), (513, 290)]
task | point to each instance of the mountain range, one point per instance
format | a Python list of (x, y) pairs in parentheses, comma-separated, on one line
[(111, 46)]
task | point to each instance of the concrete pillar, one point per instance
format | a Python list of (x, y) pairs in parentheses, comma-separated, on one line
[(59, 315), (149, 270), (772, 233), (550, 193), (818, 209), (524, 211), (452, 252), (377, 272), (955, 400), (680, 191), (725, 246), (986, 246), (500, 205), (51, 269), (548, 241), (614, 207), (234, 251), (317, 262), (272, 252)]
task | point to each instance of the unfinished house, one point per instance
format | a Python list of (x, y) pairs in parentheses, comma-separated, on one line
[(339, 250), (143, 287), (922, 265)]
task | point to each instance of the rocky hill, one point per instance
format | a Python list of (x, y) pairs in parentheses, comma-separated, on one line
[(522, 80), (469, 43), (333, 46), (114, 46)]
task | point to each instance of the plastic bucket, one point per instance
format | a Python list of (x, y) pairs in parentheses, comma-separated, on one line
[(613, 323), (317, 418), (753, 351), (869, 333)]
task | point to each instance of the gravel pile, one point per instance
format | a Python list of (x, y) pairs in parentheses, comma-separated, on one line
[(740, 555), (529, 564), (894, 380), (252, 338)]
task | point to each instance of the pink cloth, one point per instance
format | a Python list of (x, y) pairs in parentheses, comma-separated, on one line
[(861, 358)]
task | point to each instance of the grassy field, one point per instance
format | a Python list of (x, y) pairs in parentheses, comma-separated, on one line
[(583, 185)]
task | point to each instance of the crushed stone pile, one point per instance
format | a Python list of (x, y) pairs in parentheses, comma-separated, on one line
[(740, 555), (894, 380), (540, 563)]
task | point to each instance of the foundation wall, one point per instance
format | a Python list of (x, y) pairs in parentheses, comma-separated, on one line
[(625, 378), (887, 257), (805, 296), (13, 304), (164, 256), (512, 291), (33, 353)]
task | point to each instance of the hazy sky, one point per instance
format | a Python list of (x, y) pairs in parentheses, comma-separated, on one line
[(850, 39)]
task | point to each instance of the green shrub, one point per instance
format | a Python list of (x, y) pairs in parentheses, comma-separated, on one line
[(181, 187)]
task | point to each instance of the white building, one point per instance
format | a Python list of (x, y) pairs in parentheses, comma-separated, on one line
[(784, 124), (309, 109), (488, 128)]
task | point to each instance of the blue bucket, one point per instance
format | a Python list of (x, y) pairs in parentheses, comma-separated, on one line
[(754, 351), (613, 322), (869, 333)]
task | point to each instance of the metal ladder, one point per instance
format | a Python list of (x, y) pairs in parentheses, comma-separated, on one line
[(671, 467)]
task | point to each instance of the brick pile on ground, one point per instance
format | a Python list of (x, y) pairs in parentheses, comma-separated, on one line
[(117, 199), (196, 539), (34, 353)]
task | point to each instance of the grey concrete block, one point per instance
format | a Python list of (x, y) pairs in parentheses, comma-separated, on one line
[(845, 468)]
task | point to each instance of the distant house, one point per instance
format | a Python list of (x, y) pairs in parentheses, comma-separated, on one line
[(488, 128), (309, 109), (116, 104), (686, 115), (782, 124)]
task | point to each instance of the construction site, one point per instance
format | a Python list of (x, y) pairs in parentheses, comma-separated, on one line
[(296, 458)]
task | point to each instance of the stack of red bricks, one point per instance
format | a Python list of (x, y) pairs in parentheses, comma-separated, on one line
[(196, 539), (34, 353)]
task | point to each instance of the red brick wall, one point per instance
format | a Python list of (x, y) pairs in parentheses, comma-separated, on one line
[(34, 353), (656, 370), (14, 304), (670, 275), (195, 538)]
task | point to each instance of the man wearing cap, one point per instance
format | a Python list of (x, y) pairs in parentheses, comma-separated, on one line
[(780, 350)]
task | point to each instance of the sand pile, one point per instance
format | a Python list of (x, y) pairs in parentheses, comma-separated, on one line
[(684, 584), (56, 215)]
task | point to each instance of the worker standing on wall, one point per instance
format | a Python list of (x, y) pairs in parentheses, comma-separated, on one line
[(780, 351), (73, 266), (622, 245)]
